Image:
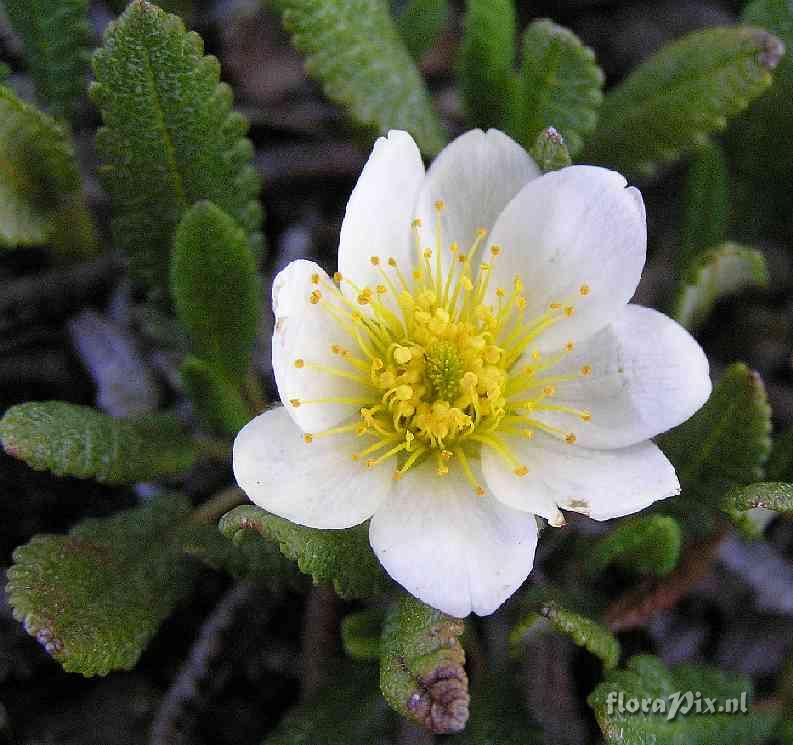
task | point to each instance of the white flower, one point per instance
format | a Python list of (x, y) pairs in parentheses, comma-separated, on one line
[(473, 363)]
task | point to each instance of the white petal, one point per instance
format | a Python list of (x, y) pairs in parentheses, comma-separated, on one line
[(648, 375), (380, 210), (316, 484), (305, 331), (578, 226), (599, 483), (452, 549), (475, 176)]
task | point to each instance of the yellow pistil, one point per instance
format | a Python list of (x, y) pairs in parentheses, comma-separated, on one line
[(441, 372)]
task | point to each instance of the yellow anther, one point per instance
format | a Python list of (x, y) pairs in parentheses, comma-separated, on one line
[(521, 303), (375, 260), (315, 297), (315, 279), (461, 258), (439, 205), (446, 454), (481, 232), (467, 284), (485, 267), (480, 492), (416, 223), (569, 346), (377, 364), (364, 299), (308, 439), (584, 290), (495, 249), (427, 253), (549, 390), (381, 289), (536, 356), (455, 247), (417, 275), (521, 471), (555, 306), (570, 438), (402, 355), (335, 348), (527, 433), (295, 402), (586, 370), (299, 363), (392, 261), (586, 416), (499, 292), (569, 310)]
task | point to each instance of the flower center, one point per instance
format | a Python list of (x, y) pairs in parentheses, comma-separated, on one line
[(443, 372)]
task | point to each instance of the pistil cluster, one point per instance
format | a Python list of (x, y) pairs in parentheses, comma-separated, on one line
[(443, 369)]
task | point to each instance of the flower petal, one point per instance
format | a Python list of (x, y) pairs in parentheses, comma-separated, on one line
[(475, 176), (573, 227), (316, 484), (306, 331), (450, 548), (380, 210), (647, 375), (599, 483)]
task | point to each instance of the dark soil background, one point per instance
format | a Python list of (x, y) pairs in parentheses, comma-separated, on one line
[(227, 665)]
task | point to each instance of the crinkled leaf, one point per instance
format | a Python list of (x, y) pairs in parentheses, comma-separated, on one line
[(249, 556), (342, 557), (715, 274), (584, 631), (217, 399), (648, 545), (170, 137), (771, 495), (348, 711), (674, 100), (486, 62), (72, 440), (707, 205), (421, 22), (724, 444), (95, 597), (56, 35), (354, 49), (646, 677), (40, 187), (422, 666), (361, 632), (215, 288), (560, 85), (549, 151)]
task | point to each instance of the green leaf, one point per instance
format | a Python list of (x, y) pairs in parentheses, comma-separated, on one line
[(772, 495), (585, 632), (40, 187), (361, 632), (717, 273), (347, 711), (724, 444), (217, 400), (486, 60), (421, 22), (56, 36), (343, 557), (249, 556), (674, 100), (170, 137), (422, 666), (560, 85), (354, 49), (648, 545), (95, 597), (646, 677), (215, 288), (71, 440), (549, 151), (706, 204)]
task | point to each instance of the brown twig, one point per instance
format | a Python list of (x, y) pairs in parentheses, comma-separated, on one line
[(636, 607), (320, 638)]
